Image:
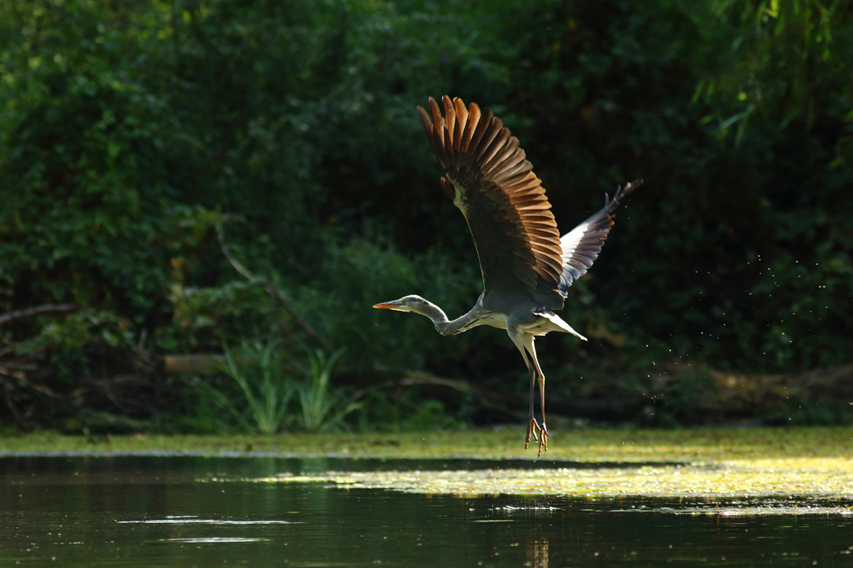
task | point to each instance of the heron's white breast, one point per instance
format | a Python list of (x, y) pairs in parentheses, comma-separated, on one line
[(493, 319)]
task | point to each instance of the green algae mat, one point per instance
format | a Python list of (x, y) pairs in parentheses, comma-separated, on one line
[(786, 463)]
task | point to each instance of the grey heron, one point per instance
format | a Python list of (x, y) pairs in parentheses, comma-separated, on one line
[(526, 266)]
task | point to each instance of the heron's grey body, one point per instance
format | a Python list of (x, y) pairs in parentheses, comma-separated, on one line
[(526, 266)]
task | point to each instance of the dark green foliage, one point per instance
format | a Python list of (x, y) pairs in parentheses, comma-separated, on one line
[(738, 251), (128, 131)]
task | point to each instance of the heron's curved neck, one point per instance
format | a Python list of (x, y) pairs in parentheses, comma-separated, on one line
[(447, 327)]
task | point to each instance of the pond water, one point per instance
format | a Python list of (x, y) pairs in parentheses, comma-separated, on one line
[(178, 511)]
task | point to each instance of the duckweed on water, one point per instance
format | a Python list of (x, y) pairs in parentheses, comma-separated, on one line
[(809, 477), (781, 463)]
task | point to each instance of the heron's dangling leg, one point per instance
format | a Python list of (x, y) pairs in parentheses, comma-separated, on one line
[(543, 430), (532, 426), (524, 342), (521, 341)]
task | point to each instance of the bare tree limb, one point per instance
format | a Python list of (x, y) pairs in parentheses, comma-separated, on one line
[(22, 378), (27, 312), (220, 233), (270, 287)]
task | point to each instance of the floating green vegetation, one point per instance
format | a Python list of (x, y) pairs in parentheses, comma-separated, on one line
[(783, 463), (782, 478)]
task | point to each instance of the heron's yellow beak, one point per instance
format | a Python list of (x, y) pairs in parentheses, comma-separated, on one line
[(387, 305)]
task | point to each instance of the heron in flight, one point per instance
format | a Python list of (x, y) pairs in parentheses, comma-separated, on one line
[(527, 267)]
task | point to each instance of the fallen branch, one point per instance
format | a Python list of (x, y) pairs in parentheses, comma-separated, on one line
[(27, 312)]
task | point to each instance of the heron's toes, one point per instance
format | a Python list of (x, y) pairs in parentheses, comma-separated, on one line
[(532, 429), (543, 440)]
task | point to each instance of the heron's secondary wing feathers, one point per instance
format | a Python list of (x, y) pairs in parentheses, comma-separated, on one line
[(493, 184), (583, 243)]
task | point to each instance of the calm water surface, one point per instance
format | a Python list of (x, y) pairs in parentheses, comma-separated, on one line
[(165, 511)]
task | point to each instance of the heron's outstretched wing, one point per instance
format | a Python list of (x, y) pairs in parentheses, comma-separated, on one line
[(583, 243), (504, 202)]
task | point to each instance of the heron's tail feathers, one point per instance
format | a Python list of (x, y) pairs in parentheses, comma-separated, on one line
[(559, 323)]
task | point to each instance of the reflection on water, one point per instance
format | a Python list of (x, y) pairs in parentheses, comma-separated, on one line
[(157, 511), (214, 540), (190, 520), (538, 552)]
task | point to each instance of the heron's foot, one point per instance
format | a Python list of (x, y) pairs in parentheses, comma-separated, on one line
[(532, 430), (543, 440)]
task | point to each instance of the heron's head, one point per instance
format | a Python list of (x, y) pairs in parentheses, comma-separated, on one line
[(410, 303)]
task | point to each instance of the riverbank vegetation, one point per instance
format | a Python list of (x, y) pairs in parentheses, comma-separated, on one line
[(204, 192)]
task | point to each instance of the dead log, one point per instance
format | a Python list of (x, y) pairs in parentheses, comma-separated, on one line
[(197, 364)]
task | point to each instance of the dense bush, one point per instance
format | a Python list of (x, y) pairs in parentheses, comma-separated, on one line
[(130, 131)]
